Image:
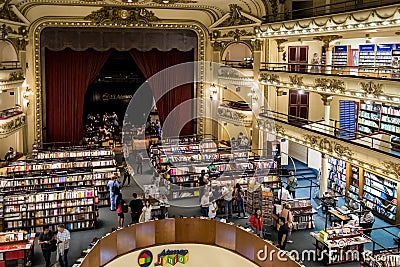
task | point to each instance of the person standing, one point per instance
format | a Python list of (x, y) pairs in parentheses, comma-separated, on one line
[(63, 243), (113, 187), (127, 173), (288, 215), (139, 161), (212, 209), (136, 207), (292, 184), (45, 239), (256, 222), (227, 194), (205, 204), (282, 233), (120, 212), (239, 197), (146, 211)]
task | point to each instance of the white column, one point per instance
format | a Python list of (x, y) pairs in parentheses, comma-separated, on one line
[(327, 99), (324, 175), (328, 59)]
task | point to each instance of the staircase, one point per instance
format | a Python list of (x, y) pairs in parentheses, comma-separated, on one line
[(302, 171)]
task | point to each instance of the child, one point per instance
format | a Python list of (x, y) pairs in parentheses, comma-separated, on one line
[(212, 210)]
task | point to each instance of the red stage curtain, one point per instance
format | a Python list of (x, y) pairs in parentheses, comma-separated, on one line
[(153, 61), (68, 75)]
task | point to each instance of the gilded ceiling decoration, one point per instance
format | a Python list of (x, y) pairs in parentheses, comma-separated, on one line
[(357, 20), (332, 85), (236, 17), (371, 88), (328, 146), (16, 76), (392, 167), (327, 39), (296, 80), (122, 15), (6, 12)]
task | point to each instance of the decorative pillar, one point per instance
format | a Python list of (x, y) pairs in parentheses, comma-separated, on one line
[(327, 99), (257, 98), (327, 39), (281, 49), (323, 183), (214, 103)]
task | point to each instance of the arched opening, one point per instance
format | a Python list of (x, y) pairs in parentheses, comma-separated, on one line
[(7, 52), (237, 52)]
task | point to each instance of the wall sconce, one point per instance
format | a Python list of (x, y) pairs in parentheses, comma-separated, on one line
[(214, 91), (27, 93)]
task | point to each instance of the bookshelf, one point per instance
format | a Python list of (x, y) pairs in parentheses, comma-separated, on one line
[(74, 208), (64, 169), (347, 118), (16, 248), (354, 190), (340, 59), (366, 60), (390, 120), (303, 213), (337, 175), (389, 257), (383, 59), (369, 118), (380, 195)]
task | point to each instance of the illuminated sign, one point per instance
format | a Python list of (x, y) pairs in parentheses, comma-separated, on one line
[(172, 257)]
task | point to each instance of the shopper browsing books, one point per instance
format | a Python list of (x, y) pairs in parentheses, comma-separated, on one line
[(120, 203), (205, 204), (136, 207), (292, 184), (63, 243), (212, 210), (256, 222), (282, 233), (146, 212), (283, 194), (45, 241), (114, 188), (288, 215), (227, 195), (239, 197)]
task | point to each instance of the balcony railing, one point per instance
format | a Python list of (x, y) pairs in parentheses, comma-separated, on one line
[(384, 72), (241, 64), (9, 65), (340, 7), (354, 137)]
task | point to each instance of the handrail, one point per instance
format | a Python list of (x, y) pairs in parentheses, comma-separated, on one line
[(10, 65), (243, 64), (181, 231), (340, 7), (382, 72), (329, 130)]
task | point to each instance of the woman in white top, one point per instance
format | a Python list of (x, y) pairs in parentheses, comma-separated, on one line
[(212, 210), (146, 211)]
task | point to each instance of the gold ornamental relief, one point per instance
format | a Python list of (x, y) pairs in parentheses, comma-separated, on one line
[(122, 16)]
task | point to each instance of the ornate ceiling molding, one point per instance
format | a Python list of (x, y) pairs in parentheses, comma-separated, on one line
[(334, 24), (346, 86), (327, 39), (330, 85), (296, 81), (6, 12), (326, 145), (236, 117), (279, 42), (236, 17), (122, 16), (271, 77), (371, 88)]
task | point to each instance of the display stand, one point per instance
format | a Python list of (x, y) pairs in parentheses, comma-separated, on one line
[(340, 59), (16, 249), (303, 213), (336, 245), (337, 175), (382, 258)]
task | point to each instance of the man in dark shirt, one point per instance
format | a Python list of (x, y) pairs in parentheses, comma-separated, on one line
[(45, 239), (282, 233), (136, 206)]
